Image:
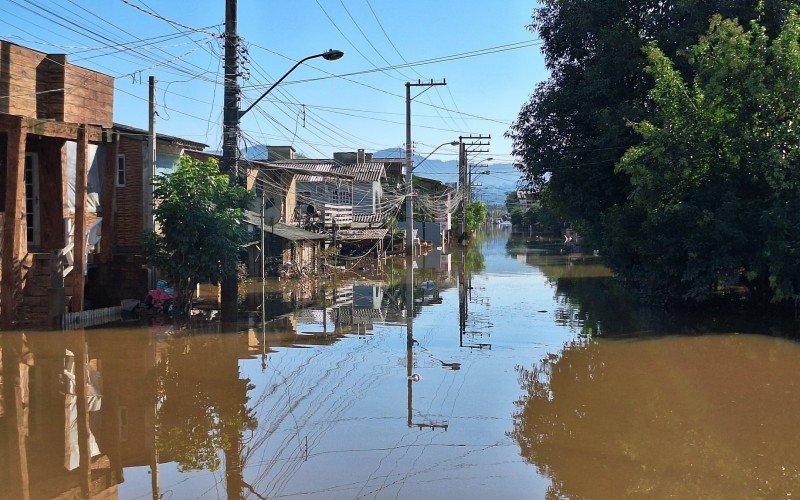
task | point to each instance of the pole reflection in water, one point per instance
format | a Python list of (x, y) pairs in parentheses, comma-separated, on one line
[(410, 336)]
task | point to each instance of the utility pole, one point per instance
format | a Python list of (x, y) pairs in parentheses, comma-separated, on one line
[(149, 171), (410, 161), (230, 148), (465, 177)]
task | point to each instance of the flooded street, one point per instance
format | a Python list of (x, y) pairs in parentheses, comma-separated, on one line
[(524, 373)]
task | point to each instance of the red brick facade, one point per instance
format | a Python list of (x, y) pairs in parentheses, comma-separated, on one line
[(128, 205)]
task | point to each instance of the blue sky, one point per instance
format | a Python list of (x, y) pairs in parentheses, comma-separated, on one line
[(339, 114)]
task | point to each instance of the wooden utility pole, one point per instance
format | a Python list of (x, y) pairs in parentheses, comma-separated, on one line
[(410, 163), (230, 149)]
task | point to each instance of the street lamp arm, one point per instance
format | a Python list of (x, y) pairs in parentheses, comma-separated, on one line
[(454, 143), (330, 55)]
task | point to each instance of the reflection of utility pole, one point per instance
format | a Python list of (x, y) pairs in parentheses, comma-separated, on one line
[(410, 351), (81, 363), (410, 332), (154, 488), (464, 297)]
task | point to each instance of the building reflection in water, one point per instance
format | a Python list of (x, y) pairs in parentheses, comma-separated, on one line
[(60, 430), (78, 408)]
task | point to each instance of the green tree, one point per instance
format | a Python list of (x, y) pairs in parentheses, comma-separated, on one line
[(200, 219), (716, 179), (573, 131), (512, 201), (476, 215)]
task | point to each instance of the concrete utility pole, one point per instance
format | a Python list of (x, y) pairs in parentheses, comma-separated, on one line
[(149, 170), (463, 171), (230, 146), (410, 162)]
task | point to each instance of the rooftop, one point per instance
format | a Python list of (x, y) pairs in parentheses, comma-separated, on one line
[(134, 131)]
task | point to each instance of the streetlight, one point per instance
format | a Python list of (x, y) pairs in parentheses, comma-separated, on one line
[(410, 202), (230, 157), (330, 55)]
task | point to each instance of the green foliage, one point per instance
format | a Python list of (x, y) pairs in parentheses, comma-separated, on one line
[(200, 219), (518, 217), (512, 201), (716, 180), (573, 131), (476, 215)]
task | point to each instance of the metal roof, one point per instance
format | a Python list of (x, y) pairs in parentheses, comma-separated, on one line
[(311, 170), (371, 171), (128, 130), (365, 172)]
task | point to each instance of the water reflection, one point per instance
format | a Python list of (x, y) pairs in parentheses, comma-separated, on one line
[(591, 302), (403, 385), (680, 417)]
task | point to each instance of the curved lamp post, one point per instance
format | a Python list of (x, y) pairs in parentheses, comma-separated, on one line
[(410, 199), (330, 55)]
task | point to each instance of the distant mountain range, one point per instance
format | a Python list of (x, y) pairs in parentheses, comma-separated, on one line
[(492, 189)]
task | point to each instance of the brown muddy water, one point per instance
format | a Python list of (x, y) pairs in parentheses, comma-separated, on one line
[(531, 375)]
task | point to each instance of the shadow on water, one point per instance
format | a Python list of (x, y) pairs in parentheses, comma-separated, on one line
[(592, 302)]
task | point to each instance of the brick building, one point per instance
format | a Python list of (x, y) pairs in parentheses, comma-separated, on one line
[(55, 142), (66, 169)]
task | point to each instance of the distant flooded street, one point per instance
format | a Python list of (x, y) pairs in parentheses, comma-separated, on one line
[(509, 369)]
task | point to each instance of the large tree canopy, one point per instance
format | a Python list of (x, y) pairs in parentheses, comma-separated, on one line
[(716, 179), (706, 121), (573, 131)]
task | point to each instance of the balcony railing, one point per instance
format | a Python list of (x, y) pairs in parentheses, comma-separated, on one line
[(340, 213)]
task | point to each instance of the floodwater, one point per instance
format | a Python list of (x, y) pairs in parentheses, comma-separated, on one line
[(525, 373)]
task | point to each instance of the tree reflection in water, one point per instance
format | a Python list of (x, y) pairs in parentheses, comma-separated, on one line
[(679, 416), (202, 401)]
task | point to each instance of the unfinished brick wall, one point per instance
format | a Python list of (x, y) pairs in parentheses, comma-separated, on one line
[(88, 97), (18, 77), (46, 86)]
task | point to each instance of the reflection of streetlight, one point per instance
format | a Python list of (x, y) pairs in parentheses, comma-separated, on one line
[(330, 55), (410, 202)]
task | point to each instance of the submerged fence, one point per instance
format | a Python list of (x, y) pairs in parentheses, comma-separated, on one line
[(93, 317)]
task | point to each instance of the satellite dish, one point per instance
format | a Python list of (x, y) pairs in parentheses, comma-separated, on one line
[(271, 216)]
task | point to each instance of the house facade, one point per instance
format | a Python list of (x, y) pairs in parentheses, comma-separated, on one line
[(56, 159), (74, 191)]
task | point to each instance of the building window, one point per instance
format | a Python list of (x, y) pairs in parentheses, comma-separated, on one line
[(120, 170)]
